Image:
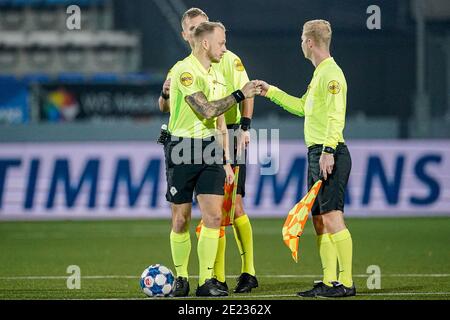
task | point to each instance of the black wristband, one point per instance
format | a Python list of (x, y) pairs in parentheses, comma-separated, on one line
[(164, 96), (329, 150), (238, 95), (245, 123)]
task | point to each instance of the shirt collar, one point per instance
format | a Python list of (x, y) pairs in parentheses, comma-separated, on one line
[(324, 63), (198, 64)]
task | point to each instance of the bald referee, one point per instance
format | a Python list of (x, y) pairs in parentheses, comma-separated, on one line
[(323, 106)]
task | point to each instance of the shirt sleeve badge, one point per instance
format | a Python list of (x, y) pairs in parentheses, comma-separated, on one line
[(186, 79), (238, 65), (334, 87)]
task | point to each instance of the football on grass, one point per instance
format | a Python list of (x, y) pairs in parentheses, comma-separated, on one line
[(157, 281)]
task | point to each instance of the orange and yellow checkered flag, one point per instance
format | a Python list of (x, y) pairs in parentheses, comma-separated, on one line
[(229, 204), (295, 222)]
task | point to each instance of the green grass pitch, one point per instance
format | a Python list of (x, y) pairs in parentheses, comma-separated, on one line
[(413, 254)]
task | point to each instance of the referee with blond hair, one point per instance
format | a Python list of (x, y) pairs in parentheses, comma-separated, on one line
[(323, 106)]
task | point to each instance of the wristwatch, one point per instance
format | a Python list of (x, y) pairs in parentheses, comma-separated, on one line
[(164, 96), (329, 150)]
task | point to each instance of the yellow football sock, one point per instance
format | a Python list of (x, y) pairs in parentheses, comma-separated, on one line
[(344, 246), (219, 265), (328, 256), (208, 242), (180, 244), (244, 239)]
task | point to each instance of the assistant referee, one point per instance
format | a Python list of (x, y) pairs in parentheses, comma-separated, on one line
[(323, 106)]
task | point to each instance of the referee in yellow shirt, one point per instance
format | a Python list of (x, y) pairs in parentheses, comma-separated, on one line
[(236, 77), (198, 102), (323, 106)]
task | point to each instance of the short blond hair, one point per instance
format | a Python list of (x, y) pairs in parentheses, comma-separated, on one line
[(207, 27), (319, 31), (192, 13)]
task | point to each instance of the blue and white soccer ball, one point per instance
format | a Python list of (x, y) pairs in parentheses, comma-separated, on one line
[(157, 281)]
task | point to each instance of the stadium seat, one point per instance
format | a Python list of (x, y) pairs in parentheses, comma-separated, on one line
[(105, 78), (37, 77), (71, 77), (12, 19)]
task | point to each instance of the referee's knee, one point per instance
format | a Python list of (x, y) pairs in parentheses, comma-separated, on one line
[(179, 226), (333, 221), (319, 225), (180, 222), (239, 209), (212, 221)]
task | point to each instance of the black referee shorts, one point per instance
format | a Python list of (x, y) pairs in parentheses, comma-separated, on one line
[(242, 166), (332, 193), (185, 178)]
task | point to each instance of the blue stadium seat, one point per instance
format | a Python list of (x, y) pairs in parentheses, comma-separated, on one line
[(97, 3), (19, 3), (52, 3), (80, 3), (24, 3), (71, 77), (37, 77), (84, 3), (35, 3), (105, 77), (137, 77), (6, 78)]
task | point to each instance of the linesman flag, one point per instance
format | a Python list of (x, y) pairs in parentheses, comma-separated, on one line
[(229, 204), (296, 219)]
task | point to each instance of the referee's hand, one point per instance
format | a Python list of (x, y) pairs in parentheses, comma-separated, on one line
[(166, 86), (243, 139), (250, 89), (326, 163), (264, 87), (229, 173)]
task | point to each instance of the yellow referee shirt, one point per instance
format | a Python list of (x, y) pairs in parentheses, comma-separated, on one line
[(233, 70), (235, 77), (188, 77), (323, 105)]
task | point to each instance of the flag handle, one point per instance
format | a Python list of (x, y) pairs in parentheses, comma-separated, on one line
[(233, 197)]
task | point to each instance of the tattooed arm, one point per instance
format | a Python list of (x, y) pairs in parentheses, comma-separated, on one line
[(210, 109)]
